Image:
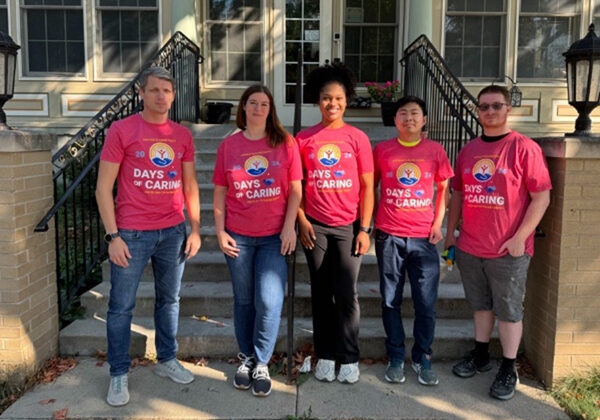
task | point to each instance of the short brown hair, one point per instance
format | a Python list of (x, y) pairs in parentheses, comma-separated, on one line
[(495, 89)]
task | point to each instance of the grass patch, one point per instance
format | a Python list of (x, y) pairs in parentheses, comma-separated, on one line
[(579, 394)]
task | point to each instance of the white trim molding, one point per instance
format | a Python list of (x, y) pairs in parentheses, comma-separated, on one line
[(563, 112), (529, 111), (27, 104), (82, 105)]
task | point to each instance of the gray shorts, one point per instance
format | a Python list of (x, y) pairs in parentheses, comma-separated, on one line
[(495, 284)]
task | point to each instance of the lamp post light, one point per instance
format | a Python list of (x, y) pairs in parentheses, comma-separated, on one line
[(583, 80), (8, 59), (515, 93)]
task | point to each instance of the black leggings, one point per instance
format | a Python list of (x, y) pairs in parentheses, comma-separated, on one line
[(334, 273)]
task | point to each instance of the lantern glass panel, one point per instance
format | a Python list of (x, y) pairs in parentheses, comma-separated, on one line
[(2, 72), (570, 82), (595, 82), (582, 71), (10, 69)]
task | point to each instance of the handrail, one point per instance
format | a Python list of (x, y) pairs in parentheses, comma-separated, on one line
[(78, 227), (451, 119)]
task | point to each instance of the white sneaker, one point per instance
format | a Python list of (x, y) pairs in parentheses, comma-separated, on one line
[(325, 370), (118, 391), (349, 373), (174, 371)]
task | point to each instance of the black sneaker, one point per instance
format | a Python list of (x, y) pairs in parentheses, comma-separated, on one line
[(504, 385), (261, 381), (469, 366), (243, 376)]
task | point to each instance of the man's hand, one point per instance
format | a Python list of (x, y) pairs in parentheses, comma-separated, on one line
[(307, 233), (118, 252), (228, 244), (362, 243), (288, 241), (192, 245), (450, 240), (515, 247)]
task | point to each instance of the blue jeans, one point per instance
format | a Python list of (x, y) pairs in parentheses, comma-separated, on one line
[(165, 247), (258, 275), (420, 260)]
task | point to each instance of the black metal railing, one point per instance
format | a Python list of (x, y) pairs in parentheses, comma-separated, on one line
[(451, 118), (78, 229)]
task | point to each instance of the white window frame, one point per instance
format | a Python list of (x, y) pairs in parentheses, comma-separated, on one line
[(397, 36), (51, 76), (508, 25), (264, 43), (99, 74), (547, 82)]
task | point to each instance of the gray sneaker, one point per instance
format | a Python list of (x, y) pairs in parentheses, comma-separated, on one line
[(174, 371), (243, 375), (425, 373), (261, 381), (118, 391), (395, 373)]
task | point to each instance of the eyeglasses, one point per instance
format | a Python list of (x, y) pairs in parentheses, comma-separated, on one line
[(496, 106)]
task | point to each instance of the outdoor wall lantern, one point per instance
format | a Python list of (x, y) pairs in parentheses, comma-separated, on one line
[(515, 93), (8, 59), (583, 79)]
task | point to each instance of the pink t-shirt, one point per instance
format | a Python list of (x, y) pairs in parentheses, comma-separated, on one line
[(334, 160), (407, 176), (496, 179), (257, 177), (149, 183)]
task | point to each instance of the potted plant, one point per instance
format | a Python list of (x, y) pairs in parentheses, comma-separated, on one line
[(386, 94)]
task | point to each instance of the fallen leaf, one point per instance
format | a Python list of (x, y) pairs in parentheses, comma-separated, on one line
[(219, 325), (46, 402), (373, 290), (60, 414), (100, 363)]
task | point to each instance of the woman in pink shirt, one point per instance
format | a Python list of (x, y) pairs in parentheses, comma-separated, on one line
[(258, 188), (335, 220)]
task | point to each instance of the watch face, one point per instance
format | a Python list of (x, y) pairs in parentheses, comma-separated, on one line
[(108, 237)]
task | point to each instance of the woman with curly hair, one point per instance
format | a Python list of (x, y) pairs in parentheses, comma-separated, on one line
[(335, 220)]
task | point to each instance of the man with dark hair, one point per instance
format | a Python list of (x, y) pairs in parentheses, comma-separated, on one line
[(501, 190), (410, 169), (152, 160)]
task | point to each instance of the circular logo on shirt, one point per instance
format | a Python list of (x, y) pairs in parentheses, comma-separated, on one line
[(161, 154), (329, 155), (408, 174), (256, 165), (483, 170)]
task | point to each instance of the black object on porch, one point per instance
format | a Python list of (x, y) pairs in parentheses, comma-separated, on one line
[(80, 247)]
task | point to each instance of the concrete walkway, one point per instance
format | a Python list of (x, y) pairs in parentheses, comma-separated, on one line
[(211, 396)]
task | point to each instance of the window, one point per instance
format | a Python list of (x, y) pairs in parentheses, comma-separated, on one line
[(370, 39), (475, 38), (235, 40), (596, 16), (52, 33), (128, 33), (3, 17), (546, 30)]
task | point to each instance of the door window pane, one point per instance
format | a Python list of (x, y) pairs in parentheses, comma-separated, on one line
[(53, 37), (370, 36)]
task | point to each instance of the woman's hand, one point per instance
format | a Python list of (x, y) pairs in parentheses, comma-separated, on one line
[(362, 243), (227, 244), (288, 240), (307, 233)]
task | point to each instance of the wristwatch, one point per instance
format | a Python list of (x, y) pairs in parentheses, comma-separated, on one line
[(367, 230), (110, 236)]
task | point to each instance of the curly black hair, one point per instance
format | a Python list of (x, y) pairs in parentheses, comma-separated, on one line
[(328, 73)]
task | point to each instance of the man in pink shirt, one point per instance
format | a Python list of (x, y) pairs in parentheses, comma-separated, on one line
[(152, 160), (408, 225), (501, 190)]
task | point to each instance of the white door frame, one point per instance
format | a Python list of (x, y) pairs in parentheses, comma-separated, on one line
[(310, 113)]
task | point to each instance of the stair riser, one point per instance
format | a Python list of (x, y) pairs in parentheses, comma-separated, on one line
[(226, 346), (204, 176), (370, 306)]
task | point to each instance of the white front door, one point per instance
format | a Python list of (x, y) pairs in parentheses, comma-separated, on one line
[(300, 25)]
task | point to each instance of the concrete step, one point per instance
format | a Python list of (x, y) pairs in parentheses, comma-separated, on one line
[(215, 337), (206, 155), (204, 172), (215, 299), (210, 266)]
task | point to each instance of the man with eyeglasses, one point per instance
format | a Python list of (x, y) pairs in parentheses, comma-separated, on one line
[(501, 191)]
